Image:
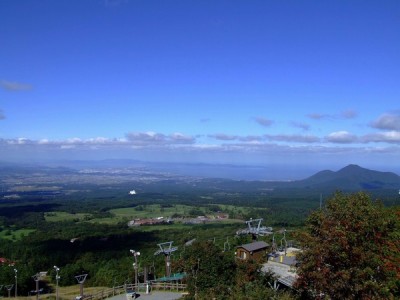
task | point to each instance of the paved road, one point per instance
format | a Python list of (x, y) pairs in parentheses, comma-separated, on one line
[(153, 296)]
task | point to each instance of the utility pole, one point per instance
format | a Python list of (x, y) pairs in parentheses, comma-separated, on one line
[(16, 282), (195, 272), (135, 267), (57, 279), (274, 246), (284, 240)]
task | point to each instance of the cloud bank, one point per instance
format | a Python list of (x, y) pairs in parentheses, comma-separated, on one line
[(383, 138)]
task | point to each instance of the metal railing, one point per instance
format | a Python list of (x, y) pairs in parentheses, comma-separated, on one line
[(159, 286)]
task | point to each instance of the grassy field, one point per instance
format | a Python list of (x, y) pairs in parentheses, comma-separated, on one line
[(152, 211), (122, 214), (141, 212), (14, 235), (155, 210), (58, 216)]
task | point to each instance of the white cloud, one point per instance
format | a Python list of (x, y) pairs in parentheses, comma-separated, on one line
[(74, 141), (318, 116), (43, 142), (251, 138), (67, 147), (293, 138), (341, 137), (383, 137), (206, 146), (388, 122), (179, 138), (214, 146), (19, 141), (158, 139), (101, 140), (300, 125), (347, 114), (146, 138), (263, 121), (223, 137), (290, 138)]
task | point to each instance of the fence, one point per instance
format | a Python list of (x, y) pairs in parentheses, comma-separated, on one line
[(164, 286)]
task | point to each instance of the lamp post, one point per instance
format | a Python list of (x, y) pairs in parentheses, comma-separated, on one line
[(57, 279), (36, 278), (81, 279), (16, 282), (9, 288), (135, 267)]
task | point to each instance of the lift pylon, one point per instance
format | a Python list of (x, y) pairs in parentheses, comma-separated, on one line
[(255, 229), (166, 249)]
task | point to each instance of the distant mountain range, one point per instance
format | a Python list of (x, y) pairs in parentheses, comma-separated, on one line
[(349, 178)]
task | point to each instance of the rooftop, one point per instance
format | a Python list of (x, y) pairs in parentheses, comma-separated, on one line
[(255, 246), (284, 273)]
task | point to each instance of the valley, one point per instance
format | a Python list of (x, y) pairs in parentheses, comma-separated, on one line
[(86, 220)]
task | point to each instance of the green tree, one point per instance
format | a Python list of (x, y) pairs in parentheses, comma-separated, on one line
[(213, 274), (351, 250), (208, 268)]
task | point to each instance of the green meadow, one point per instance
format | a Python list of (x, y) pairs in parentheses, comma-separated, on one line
[(59, 216), (126, 214), (13, 234)]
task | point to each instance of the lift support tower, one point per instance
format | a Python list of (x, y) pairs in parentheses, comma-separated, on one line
[(166, 249)]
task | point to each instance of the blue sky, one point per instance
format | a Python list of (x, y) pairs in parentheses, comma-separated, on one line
[(299, 84)]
